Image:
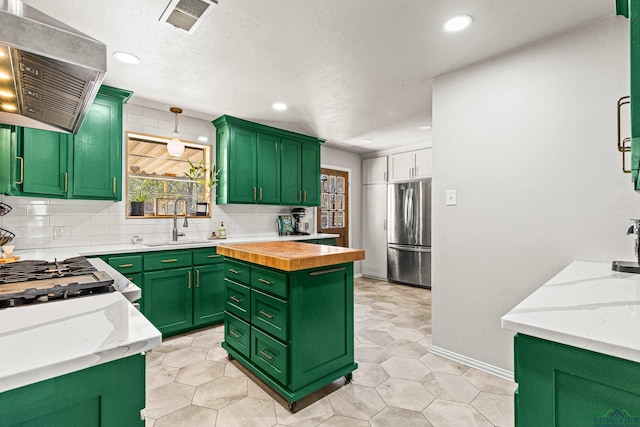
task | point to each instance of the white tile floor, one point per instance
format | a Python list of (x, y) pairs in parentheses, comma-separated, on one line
[(190, 381)]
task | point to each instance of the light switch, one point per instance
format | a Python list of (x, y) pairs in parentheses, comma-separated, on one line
[(451, 198)]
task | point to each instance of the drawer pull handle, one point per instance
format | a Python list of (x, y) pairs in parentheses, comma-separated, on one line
[(189, 280), (197, 278), (130, 279), (262, 352), (169, 260), (264, 313), (266, 282), (234, 271), (214, 256), (331, 270), (234, 299), (234, 334), (125, 265)]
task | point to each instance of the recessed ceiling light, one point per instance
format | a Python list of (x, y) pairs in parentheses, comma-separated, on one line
[(367, 141), (126, 57), (203, 138), (457, 23), (279, 106), (425, 127)]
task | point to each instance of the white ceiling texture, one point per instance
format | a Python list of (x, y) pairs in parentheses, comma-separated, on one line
[(348, 69)]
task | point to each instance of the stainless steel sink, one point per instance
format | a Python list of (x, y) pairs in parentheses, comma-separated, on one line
[(172, 243)]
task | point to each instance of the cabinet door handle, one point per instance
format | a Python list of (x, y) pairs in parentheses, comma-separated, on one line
[(305, 196), (331, 270), (66, 181), (265, 314), (384, 176), (189, 279), (234, 299), (124, 265), (300, 196), (21, 170), (169, 260), (114, 185), (197, 278), (260, 193), (234, 271), (262, 352), (213, 256), (234, 334), (130, 279), (254, 193), (266, 282)]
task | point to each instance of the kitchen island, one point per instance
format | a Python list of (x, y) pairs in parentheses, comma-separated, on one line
[(289, 313), (77, 361), (577, 349)]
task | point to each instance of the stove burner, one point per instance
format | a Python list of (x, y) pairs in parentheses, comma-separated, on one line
[(24, 271)]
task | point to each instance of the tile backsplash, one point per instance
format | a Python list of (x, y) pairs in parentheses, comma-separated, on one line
[(50, 223)]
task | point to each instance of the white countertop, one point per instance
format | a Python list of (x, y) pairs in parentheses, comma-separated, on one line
[(61, 253), (47, 340), (586, 305)]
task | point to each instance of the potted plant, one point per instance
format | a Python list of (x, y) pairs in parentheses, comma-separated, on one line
[(138, 200), (198, 175)]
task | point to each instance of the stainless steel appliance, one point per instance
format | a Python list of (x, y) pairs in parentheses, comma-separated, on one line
[(300, 226), (409, 233)]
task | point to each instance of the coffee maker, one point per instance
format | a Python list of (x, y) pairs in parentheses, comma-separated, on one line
[(300, 226)]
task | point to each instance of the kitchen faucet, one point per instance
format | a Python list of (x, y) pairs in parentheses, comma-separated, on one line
[(175, 218)]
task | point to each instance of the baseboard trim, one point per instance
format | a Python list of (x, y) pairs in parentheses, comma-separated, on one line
[(482, 366), (357, 275)]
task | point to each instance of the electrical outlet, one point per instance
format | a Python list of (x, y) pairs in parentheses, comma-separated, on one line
[(451, 198)]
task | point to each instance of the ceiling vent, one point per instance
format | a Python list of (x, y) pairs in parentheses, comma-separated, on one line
[(186, 15)]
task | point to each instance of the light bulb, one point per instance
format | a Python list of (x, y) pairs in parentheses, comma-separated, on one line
[(175, 147)]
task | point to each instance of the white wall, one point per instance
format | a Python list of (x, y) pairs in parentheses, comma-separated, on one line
[(46, 223), (528, 141)]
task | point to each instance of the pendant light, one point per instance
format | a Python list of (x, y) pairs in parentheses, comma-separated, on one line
[(175, 147)]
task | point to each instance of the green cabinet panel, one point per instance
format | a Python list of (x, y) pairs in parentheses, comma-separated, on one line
[(237, 334), (6, 158), (208, 294), (107, 395), (97, 152), (263, 164), (310, 174), (167, 259), (300, 342), (206, 256), (44, 162), (291, 161), (560, 385), (126, 264), (168, 299)]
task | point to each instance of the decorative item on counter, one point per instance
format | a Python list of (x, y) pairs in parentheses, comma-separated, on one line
[(285, 225), (7, 254), (222, 231), (213, 236), (136, 239)]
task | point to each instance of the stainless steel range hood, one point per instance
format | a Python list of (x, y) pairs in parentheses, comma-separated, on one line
[(53, 70)]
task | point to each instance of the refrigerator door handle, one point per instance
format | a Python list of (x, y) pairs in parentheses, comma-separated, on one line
[(410, 248)]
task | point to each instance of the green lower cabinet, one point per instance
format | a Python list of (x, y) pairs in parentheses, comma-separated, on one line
[(107, 395), (564, 386), (300, 325), (168, 299), (208, 294)]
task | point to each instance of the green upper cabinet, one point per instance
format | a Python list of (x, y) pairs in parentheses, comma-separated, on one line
[(58, 165), (5, 158), (262, 164)]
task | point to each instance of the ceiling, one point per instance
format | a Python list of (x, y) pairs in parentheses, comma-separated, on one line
[(348, 69)]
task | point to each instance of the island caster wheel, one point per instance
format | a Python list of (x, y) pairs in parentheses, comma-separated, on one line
[(230, 356), (293, 407), (348, 378)]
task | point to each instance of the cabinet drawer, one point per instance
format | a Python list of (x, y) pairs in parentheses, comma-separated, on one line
[(135, 278), (269, 281), (237, 299), (270, 355), (238, 271), (237, 334), (269, 314), (163, 260), (126, 264), (206, 256)]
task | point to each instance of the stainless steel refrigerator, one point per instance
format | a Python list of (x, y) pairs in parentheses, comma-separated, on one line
[(409, 233)]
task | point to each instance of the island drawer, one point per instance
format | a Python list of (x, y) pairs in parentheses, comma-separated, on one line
[(270, 355), (164, 260), (238, 271), (126, 264), (238, 299), (269, 281), (269, 314), (237, 334), (206, 256)]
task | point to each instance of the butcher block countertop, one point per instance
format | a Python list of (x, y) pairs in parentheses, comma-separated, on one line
[(290, 256)]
